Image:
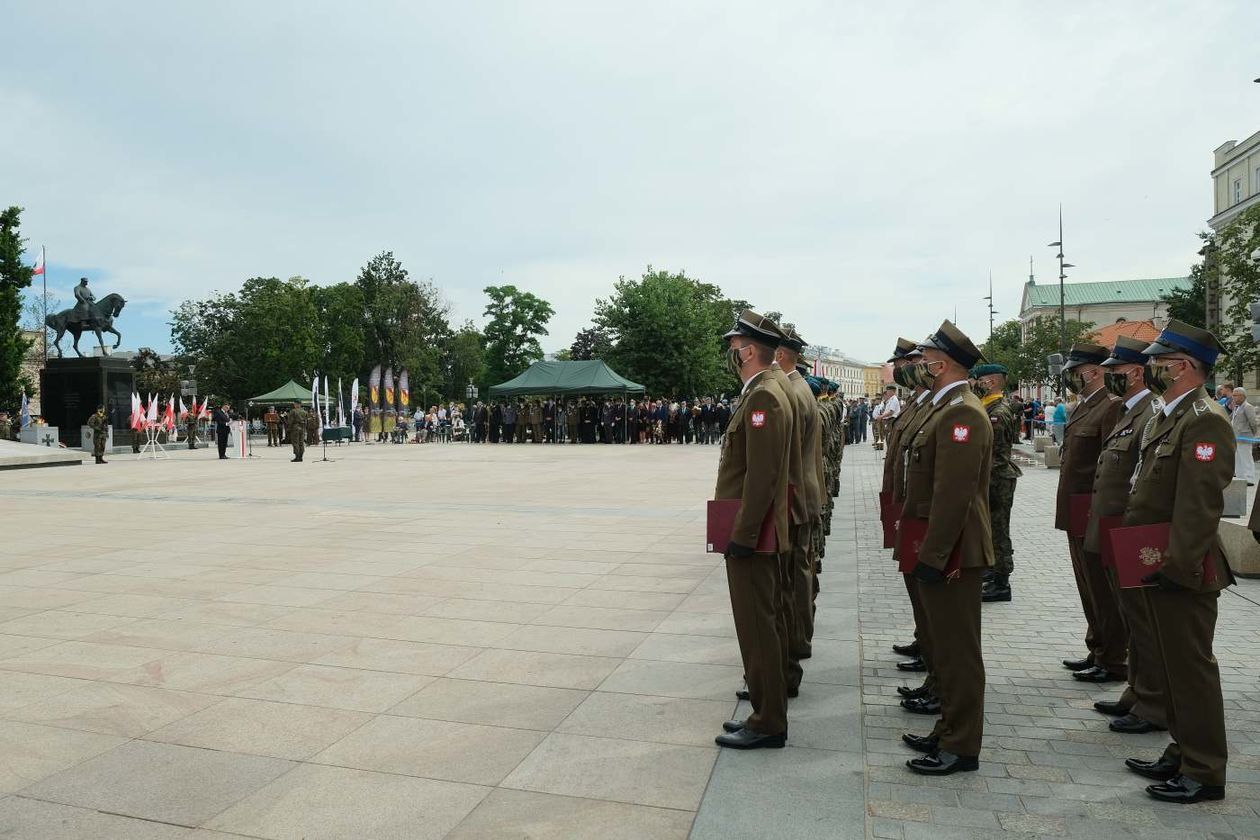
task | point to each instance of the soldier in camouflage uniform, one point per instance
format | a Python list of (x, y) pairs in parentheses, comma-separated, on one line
[(296, 421), (991, 386), (99, 424)]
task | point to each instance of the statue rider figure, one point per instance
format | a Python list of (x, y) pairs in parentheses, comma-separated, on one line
[(84, 299)]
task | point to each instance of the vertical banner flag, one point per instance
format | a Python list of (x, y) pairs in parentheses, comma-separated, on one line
[(24, 415), (404, 392), (354, 394), (327, 407), (315, 397), (389, 387), (374, 388), (341, 406)]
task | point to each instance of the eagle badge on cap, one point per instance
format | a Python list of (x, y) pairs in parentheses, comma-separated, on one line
[(1205, 451), (758, 419), (962, 434)]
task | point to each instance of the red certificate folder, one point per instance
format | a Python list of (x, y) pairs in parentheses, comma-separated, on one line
[(1106, 524), (721, 520), (1139, 551), (1078, 513), (913, 532), (889, 513)]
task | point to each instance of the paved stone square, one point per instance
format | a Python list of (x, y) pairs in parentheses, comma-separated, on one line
[(511, 641)]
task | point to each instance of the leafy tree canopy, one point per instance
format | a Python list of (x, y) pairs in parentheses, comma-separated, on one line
[(15, 276), (517, 318)]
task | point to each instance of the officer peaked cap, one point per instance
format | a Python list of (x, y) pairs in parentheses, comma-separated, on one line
[(793, 341), (1180, 337), (954, 343), (1085, 354), (904, 346), (1128, 351), (757, 327)]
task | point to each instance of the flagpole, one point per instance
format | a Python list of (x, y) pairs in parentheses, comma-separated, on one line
[(44, 276)]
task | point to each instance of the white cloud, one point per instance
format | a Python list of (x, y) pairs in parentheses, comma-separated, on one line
[(861, 168)]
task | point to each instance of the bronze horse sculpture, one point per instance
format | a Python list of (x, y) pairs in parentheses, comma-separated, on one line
[(100, 320)]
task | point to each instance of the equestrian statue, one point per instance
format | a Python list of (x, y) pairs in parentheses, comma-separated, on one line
[(88, 314)]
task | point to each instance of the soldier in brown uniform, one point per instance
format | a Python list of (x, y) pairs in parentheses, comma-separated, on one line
[(1185, 463), (1141, 706), (806, 505), (754, 469), (1094, 416), (272, 420), (947, 495)]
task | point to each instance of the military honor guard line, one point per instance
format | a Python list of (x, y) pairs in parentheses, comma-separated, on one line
[(1145, 463)]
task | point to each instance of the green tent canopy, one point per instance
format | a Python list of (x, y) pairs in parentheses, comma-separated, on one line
[(566, 378), (290, 392)]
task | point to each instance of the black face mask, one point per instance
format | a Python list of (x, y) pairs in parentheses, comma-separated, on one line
[(1116, 383), (1073, 381)]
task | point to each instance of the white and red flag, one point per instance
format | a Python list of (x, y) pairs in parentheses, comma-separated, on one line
[(151, 416), (39, 263)]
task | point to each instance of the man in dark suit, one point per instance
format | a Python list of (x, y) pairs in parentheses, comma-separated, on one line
[(222, 425)]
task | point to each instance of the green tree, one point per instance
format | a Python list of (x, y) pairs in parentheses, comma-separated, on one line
[(250, 342), (1240, 285), (15, 276), (667, 330), (339, 313), (517, 318), (1006, 347), (404, 323), (1190, 305), (155, 375), (464, 361), (591, 343)]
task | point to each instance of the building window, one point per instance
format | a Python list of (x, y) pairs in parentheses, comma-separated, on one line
[(1237, 190)]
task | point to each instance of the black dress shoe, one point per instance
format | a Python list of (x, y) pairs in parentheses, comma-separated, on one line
[(1097, 674), (1131, 724), (1184, 790), (911, 649), (913, 693), (747, 739), (742, 693), (926, 705), (993, 593), (1078, 664), (943, 763), (733, 725), (1161, 769), (916, 665), (921, 743), (1111, 707), (809, 654)]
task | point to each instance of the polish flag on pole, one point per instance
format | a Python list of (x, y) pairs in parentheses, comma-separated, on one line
[(168, 417), (39, 263), (183, 412), (151, 414)]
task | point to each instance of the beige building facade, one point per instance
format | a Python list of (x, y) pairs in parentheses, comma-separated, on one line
[(838, 367), (1235, 189)]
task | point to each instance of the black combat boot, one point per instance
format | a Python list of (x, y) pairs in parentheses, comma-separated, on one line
[(998, 589)]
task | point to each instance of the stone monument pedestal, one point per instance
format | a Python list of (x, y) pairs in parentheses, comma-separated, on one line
[(86, 434), (71, 389), (40, 435)]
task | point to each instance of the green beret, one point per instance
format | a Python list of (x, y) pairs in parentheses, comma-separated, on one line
[(988, 369)]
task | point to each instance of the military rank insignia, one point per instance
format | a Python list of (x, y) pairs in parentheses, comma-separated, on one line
[(962, 434)]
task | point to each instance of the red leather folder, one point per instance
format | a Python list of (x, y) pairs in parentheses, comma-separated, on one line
[(1138, 551), (1078, 513), (913, 532), (721, 520), (1106, 524), (889, 513), (885, 499)]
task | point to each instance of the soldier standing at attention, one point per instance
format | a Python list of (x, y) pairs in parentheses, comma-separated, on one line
[(1141, 706), (1094, 416), (99, 424), (1185, 463), (190, 428), (991, 388), (296, 419), (272, 419), (947, 492), (753, 468), (806, 505)]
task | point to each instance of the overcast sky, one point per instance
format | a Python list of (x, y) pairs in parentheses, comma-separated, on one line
[(861, 167)]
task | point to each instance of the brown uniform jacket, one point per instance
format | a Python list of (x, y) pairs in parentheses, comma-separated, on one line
[(809, 427), (947, 480), (1186, 462), (915, 417), (910, 407), (1088, 424), (799, 509), (1114, 476), (754, 460)]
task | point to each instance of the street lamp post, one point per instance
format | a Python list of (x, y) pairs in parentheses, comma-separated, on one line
[(1063, 266)]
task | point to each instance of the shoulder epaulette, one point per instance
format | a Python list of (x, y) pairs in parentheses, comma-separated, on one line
[(1200, 406), (956, 400)]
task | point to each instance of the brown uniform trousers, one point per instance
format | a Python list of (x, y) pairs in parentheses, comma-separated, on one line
[(807, 507), (947, 484), (912, 418), (1144, 694), (754, 469), (1086, 427), (1186, 462)]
